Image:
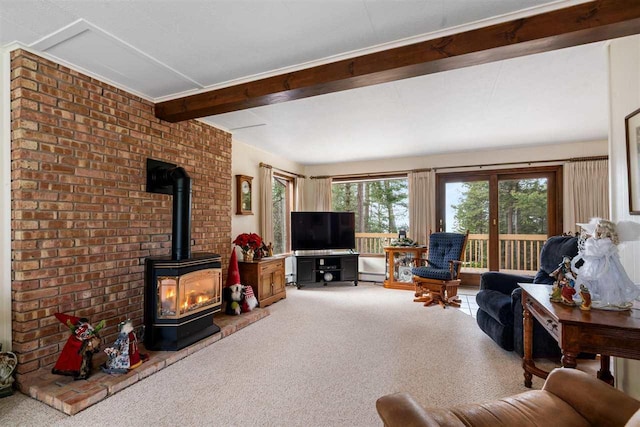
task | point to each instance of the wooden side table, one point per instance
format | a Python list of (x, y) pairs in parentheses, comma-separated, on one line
[(608, 333), (399, 261)]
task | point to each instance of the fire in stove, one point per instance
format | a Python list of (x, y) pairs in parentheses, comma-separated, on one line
[(191, 293)]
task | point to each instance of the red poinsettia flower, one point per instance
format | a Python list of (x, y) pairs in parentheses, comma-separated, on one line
[(248, 241)]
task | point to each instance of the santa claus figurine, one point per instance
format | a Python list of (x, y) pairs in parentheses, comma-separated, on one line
[(77, 353), (124, 354)]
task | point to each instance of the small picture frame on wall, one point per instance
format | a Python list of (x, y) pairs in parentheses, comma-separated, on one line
[(632, 126), (244, 195)]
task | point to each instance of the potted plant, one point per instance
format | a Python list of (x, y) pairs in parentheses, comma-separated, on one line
[(248, 243)]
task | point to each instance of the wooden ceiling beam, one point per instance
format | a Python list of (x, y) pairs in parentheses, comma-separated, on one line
[(584, 23)]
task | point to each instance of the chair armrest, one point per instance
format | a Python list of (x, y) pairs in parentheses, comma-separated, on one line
[(502, 282), (595, 400), (400, 409), (452, 268)]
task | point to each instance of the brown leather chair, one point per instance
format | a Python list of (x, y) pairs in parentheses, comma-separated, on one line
[(568, 398)]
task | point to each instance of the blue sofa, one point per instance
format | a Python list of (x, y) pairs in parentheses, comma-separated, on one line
[(500, 305)]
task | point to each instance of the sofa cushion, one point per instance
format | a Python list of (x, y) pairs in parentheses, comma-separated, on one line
[(432, 273), (497, 305)]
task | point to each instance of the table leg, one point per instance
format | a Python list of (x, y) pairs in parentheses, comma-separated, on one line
[(569, 359), (605, 372), (527, 361)]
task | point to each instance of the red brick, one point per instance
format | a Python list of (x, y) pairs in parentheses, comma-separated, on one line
[(81, 217)]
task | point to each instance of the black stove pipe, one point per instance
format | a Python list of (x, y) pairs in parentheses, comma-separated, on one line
[(181, 182)]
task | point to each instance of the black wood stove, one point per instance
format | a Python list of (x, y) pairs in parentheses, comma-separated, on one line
[(182, 291)]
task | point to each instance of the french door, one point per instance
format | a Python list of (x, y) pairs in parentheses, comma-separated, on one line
[(509, 214)]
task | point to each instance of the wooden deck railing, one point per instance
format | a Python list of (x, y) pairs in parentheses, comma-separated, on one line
[(520, 252), (373, 243)]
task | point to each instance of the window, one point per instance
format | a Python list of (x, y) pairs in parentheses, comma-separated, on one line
[(282, 193), (380, 206)]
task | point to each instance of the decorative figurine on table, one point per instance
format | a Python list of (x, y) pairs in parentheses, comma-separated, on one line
[(77, 354), (556, 292), (563, 288), (586, 298), (567, 292), (602, 272), (124, 354)]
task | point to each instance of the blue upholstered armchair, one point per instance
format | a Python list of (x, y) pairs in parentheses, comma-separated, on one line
[(438, 280), (500, 305)]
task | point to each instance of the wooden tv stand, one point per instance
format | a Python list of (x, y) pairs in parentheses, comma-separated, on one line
[(324, 267)]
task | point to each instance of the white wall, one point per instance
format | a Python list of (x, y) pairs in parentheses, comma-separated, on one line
[(624, 98), (525, 154), (5, 201), (245, 160)]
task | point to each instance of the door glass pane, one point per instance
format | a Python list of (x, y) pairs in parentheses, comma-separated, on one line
[(523, 223), (467, 208)]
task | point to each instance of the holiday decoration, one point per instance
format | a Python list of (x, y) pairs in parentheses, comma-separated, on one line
[(602, 272), (124, 355), (248, 243), (586, 298), (233, 297), (8, 363), (239, 298), (563, 288), (77, 354), (249, 300), (233, 274)]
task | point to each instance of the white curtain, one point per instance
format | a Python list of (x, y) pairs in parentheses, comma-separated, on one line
[(322, 194), (586, 186), (422, 209), (266, 203), (300, 194)]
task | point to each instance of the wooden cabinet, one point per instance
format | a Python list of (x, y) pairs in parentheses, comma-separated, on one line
[(266, 277), (398, 264)]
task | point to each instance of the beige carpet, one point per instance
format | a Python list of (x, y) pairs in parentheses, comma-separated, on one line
[(322, 358)]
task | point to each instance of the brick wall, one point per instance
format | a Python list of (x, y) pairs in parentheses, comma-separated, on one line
[(82, 222)]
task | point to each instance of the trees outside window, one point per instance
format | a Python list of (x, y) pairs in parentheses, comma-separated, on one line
[(282, 194), (509, 214), (522, 207), (380, 207)]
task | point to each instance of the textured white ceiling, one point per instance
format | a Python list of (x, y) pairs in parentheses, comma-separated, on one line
[(160, 49)]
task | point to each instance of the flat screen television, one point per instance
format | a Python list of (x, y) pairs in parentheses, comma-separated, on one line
[(323, 230)]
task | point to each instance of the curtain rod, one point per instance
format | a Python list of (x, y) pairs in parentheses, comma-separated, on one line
[(365, 175), (264, 165)]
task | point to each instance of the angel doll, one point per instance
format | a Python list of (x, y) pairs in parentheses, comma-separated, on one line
[(602, 272)]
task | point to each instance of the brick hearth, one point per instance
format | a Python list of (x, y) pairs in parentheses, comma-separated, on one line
[(71, 397)]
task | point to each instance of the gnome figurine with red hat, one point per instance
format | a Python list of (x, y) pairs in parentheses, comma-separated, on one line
[(77, 354), (238, 298)]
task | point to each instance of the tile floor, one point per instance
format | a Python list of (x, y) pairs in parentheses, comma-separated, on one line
[(468, 297)]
